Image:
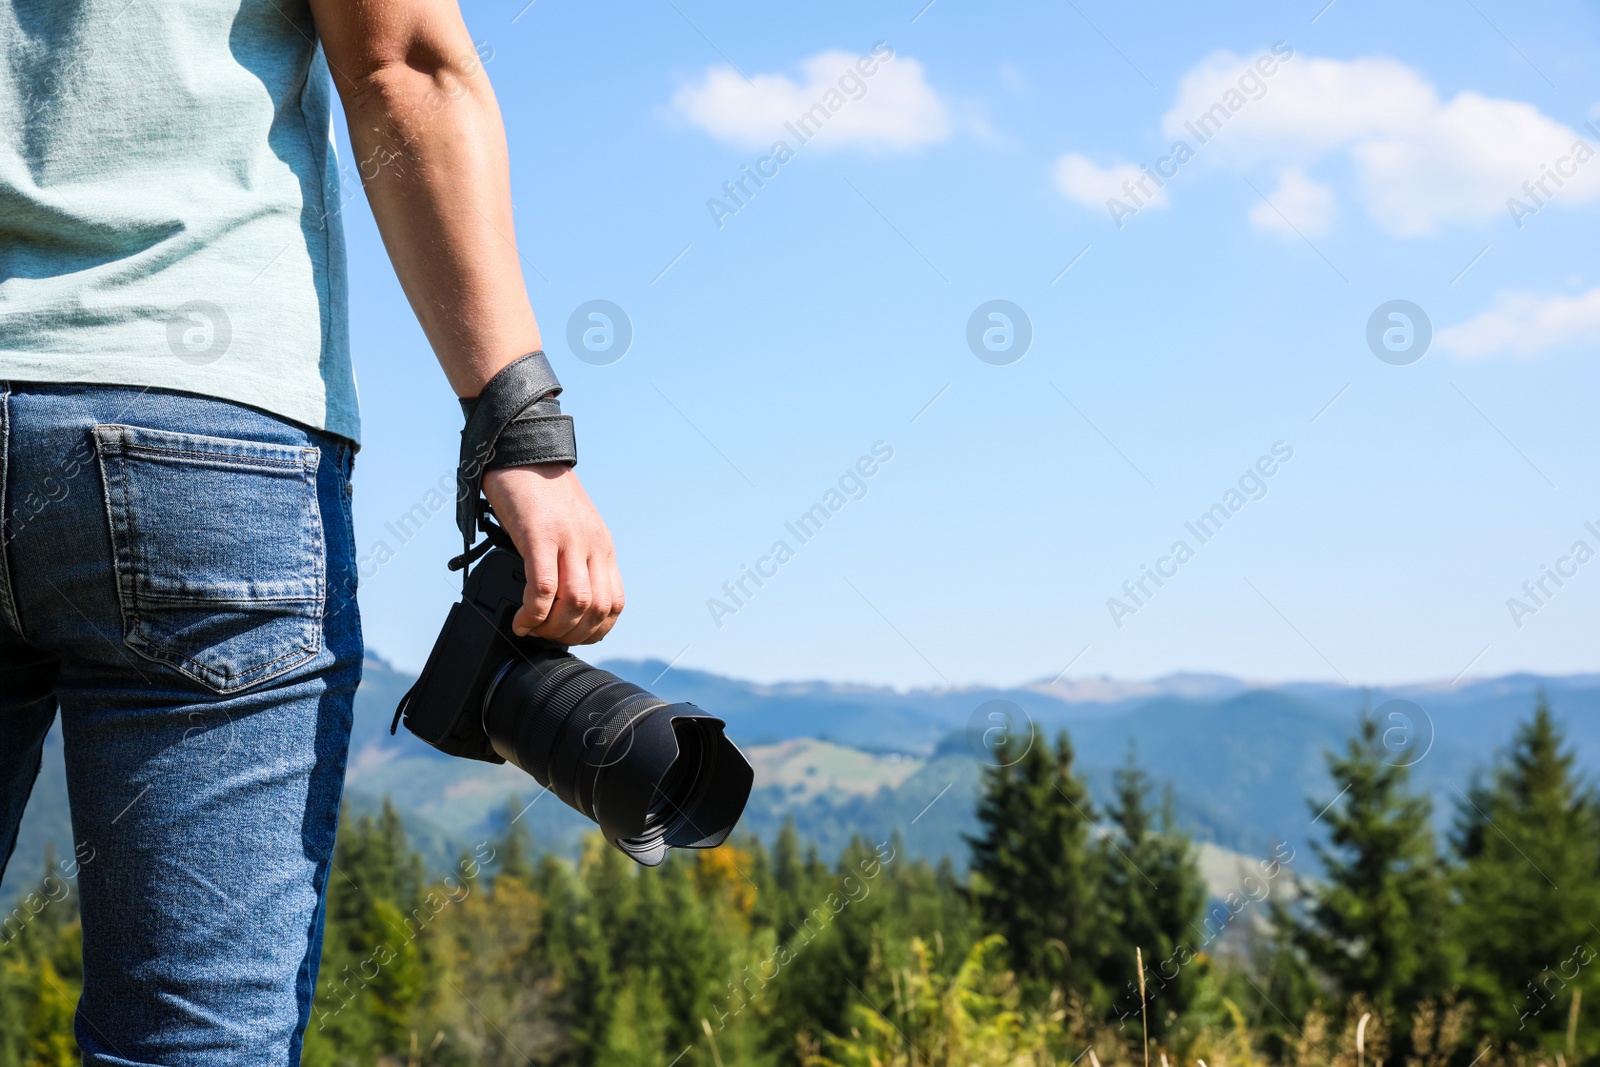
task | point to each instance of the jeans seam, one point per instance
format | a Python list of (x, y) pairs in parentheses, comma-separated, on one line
[(179, 662), (308, 457), (8, 594), (347, 473)]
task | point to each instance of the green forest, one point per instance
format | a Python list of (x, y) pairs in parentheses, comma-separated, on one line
[(1079, 933)]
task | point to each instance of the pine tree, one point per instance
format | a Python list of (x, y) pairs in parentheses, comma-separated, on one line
[(556, 885), (1375, 924), (375, 972), (514, 848), (1529, 838), (599, 948), (826, 965), (1154, 890), (1036, 878), (783, 906), (41, 973)]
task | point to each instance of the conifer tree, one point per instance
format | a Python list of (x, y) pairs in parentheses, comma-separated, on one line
[(784, 905), (1374, 925), (1036, 877), (1155, 893), (41, 973), (513, 850), (1529, 885), (375, 974), (828, 955)]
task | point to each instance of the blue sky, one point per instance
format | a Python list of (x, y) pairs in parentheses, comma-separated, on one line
[(773, 347)]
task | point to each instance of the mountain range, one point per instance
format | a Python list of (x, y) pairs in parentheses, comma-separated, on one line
[(1245, 762)]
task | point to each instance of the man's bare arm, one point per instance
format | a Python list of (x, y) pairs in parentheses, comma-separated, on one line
[(431, 149)]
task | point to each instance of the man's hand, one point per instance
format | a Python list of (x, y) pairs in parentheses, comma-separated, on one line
[(574, 592)]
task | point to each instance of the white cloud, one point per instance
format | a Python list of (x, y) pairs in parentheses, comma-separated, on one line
[(1419, 162), (1084, 181), (893, 109), (1305, 108), (1522, 324), (1298, 206)]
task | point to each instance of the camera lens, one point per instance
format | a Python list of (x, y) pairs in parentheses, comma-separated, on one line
[(673, 794), (654, 775)]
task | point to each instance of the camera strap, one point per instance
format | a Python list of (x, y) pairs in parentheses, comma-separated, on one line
[(514, 422)]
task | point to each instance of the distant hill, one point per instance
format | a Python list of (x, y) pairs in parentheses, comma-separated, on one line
[(1242, 759)]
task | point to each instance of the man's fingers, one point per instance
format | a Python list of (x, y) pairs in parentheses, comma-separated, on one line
[(600, 617), (573, 599), (574, 592), (617, 597), (544, 581)]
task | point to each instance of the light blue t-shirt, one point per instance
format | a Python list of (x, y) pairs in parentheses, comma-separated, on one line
[(169, 203)]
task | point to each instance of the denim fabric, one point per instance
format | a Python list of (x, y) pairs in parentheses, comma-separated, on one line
[(178, 575)]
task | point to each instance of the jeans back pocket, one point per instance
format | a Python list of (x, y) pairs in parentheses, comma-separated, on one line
[(219, 552)]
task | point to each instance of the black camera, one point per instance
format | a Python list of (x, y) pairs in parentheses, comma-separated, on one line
[(653, 775)]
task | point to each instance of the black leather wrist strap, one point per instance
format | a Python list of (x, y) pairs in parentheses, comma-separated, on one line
[(514, 422)]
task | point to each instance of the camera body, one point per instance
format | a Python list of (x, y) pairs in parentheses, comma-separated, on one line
[(653, 775), (445, 709)]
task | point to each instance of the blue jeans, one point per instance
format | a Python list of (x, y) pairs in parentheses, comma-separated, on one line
[(178, 576)]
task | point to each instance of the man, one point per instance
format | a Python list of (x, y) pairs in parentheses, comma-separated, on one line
[(177, 423)]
